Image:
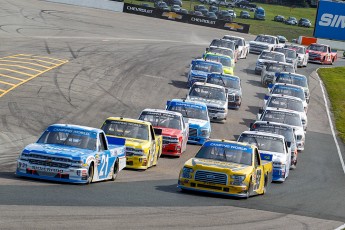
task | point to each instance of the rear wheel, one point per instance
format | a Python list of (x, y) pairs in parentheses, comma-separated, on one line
[(115, 171), (90, 174)]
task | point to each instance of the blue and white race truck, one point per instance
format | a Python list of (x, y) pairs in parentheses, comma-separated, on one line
[(199, 69), (196, 114), (74, 154)]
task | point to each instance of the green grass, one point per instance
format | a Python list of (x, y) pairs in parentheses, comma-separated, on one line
[(268, 26), (334, 80)]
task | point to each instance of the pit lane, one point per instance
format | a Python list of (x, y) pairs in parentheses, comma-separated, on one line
[(120, 64)]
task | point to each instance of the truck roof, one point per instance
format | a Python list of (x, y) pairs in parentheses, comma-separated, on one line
[(282, 110), (273, 123), (264, 134), (231, 36), (128, 120), (287, 97)]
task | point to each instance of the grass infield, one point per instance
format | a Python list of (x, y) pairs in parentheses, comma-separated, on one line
[(334, 81)]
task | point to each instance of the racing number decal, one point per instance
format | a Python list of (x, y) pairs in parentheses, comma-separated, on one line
[(104, 165)]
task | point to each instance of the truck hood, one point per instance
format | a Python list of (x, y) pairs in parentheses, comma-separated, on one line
[(197, 122), (234, 91), (136, 143), (57, 150), (208, 101), (276, 157), (219, 165), (259, 43), (169, 132), (315, 52), (198, 73)]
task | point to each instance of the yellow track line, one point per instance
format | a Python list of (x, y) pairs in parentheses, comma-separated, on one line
[(29, 55), (48, 62), (15, 71), (23, 67), (7, 83), (25, 62), (26, 80), (2, 90), (9, 56), (15, 78)]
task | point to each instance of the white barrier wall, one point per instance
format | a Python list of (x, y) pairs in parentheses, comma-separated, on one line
[(99, 4), (338, 45)]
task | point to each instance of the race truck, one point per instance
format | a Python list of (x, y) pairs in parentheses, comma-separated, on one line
[(288, 117), (228, 64), (196, 115), (321, 54), (287, 102), (232, 85), (264, 42), (223, 43), (280, 129), (290, 56), (214, 96), (221, 50), (294, 79), (242, 45), (199, 69), (289, 90), (143, 142), (227, 168), (268, 57), (274, 147), (270, 70), (174, 129), (74, 154), (302, 54)]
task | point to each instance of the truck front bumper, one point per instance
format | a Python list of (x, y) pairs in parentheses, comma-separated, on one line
[(137, 162)]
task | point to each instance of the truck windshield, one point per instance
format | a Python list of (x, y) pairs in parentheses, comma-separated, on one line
[(290, 91), (276, 67), (286, 103), (282, 117), (292, 79), (208, 67), (165, 120), (226, 52), (265, 39), (69, 137), (264, 143), (230, 83), (279, 57), (126, 129), (287, 132), (318, 48), (190, 112), (223, 43), (221, 153), (207, 92), (226, 61)]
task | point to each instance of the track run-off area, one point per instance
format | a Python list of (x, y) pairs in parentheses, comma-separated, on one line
[(84, 65)]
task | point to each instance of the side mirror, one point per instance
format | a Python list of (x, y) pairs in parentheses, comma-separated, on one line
[(266, 97), (270, 85), (193, 62), (207, 49), (261, 111), (167, 104), (251, 125), (157, 131)]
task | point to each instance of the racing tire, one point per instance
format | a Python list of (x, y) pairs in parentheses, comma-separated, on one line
[(265, 185), (90, 174), (115, 170), (249, 191)]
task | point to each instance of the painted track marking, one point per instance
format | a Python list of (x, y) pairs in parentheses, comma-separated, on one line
[(16, 61)]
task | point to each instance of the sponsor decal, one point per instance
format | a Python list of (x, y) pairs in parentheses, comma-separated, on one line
[(160, 114), (228, 145), (74, 131), (288, 88), (203, 20), (233, 26), (172, 15), (54, 170), (261, 137), (332, 20)]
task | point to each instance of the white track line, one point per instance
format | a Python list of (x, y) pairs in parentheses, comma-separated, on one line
[(340, 227), (331, 123)]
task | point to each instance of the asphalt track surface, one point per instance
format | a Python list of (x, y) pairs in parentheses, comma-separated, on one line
[(118, 65)]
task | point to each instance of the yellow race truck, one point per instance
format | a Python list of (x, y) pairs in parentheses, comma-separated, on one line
[(227, 168), (143, 142)]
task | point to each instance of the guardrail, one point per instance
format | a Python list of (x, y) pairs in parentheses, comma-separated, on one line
[(186, 18)]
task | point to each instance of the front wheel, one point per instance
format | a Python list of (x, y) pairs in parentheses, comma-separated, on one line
[(115, 171), (90, 174), (249, 190)]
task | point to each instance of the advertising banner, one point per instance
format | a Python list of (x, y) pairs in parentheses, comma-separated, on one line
[(186, 18), (330, 20)]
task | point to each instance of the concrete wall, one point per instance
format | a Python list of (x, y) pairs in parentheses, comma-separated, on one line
[(338, 45), (99, 4)]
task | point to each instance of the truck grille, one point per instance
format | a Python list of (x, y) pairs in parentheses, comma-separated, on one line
[(231, 97), (51, 161), (169, 140), (258, 47), (211, 177), (215, 110), (193, 132), (129, 151), (313, 55)]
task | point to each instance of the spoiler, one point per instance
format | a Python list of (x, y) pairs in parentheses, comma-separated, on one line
[(116, 141), (266, 157)]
